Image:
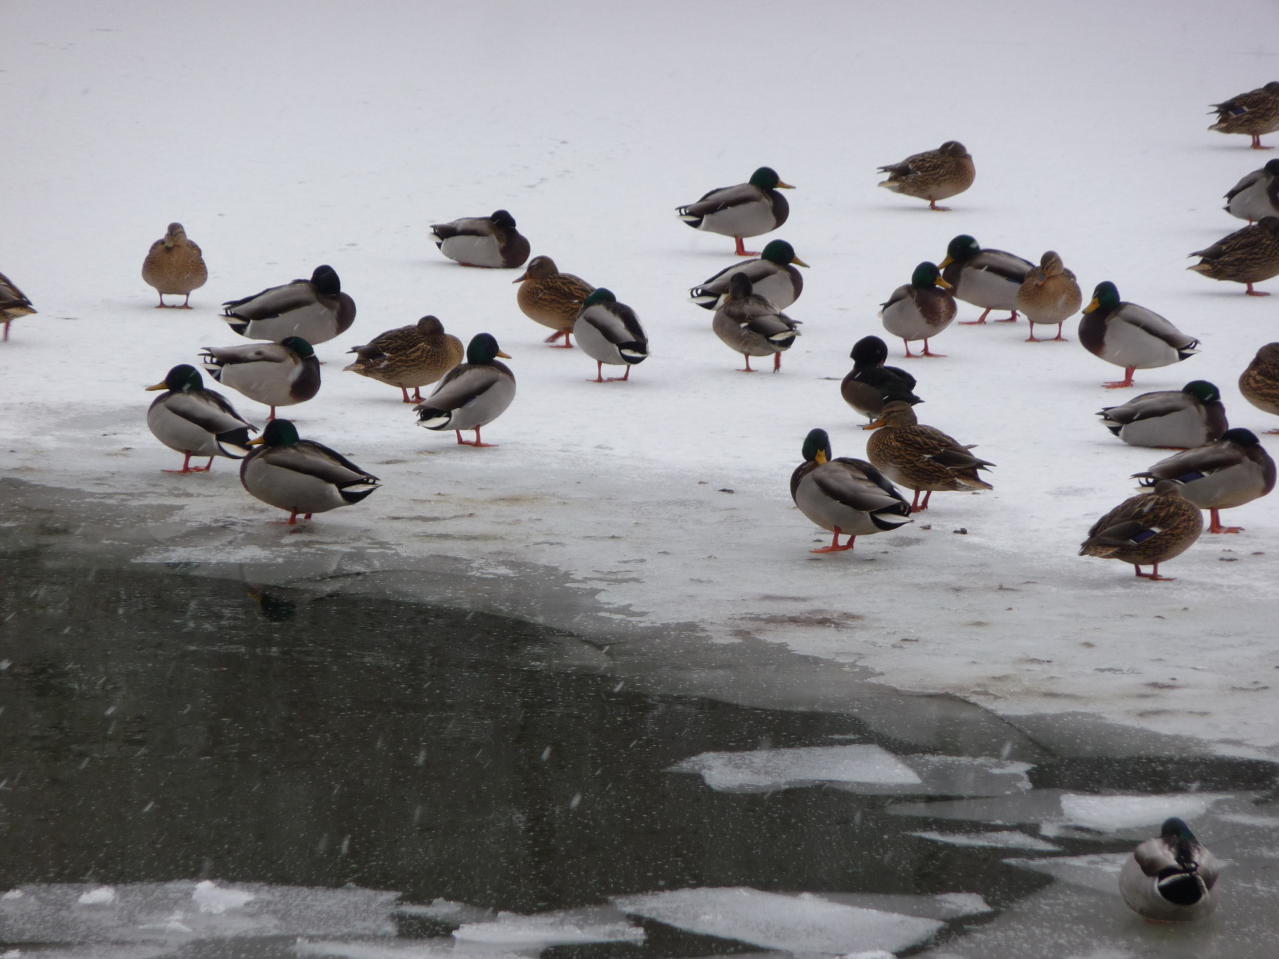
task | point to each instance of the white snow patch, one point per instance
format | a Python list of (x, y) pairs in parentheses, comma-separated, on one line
[(212, 898), (1003, 839), (1098, 871), (575, 927), (762, 770), (99, 896), (1116, 813)]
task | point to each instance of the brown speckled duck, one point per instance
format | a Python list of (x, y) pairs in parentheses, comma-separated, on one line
[(408, 356), (1259, 383), (175, 265), (13, 303), (1147, 529), (552, 298), (1252, 113), (1049, 295), (1246, 256), (932, 175), (922, 458)]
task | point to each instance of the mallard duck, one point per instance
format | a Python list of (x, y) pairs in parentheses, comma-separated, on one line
[(749, 324), (473, 394), (1256, 195), (175, 265), (1246, 256), (773, 277), (844, 495), (1254, 113), (195, 421), (300, 475), (1190, 416), (407, 356), (921, 309), (1049, 294), (990, 279), (1130, 336), (277, 374), (1170, 878), (316, 310), (1259, 383), (13, 303), (922, 458), (746, 209), (870, 384), (552, 298), (1234, 470), (610, 332), (1147, 529), (932, 175), (491, 241)]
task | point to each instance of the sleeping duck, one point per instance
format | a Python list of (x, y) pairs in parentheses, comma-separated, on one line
[(316, 310), (1170, 878), (1230, 472), (489, 241), (1171, 419)]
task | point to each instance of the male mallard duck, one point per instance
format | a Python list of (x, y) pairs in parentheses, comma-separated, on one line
[(1256, 195), (932, 175), (1170, 878), (844, 495), (316, 310), (471, 395), (1048, 295), (490, 241), (1233, 471), (1259, 383), (1254, 113), (195, 421), (610, 332), (747, 209), (773, 277), (1147, 529), (921, 309), (922, 458), (870, 384), (409, 356), (1130, 336), (1246, 256), (277, 374), (749, 324), (300, 475), (13, 303), (1190, 416), (990, 279), (175, 265), (552, 298)]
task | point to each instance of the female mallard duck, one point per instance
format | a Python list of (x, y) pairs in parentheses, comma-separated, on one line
[(490, 241), (1253, 113), (1130, 336), (921, 458), (921, 309), (990, 279), (1259, 383), (870, 384), (277, 374), (1049, 294), (473, 394), (195, 421), (300, 475), (1246, 256), (749, 324), (316, 310), (175, 265), (773, 276), (747, 209), (1190, 416), (1256, 195), (13, 304), (408, 356), (552, 298), (1233, 471), (1147, 529), (610, 332), (932, 175), (1170, 878), (844, 495)]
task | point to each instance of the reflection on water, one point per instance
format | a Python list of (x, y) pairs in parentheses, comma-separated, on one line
[(161, 727)]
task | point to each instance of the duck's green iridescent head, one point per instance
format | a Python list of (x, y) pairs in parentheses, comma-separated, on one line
[(1202, 390), (180, 379), (1104, 297), (483, 350), (961, 248), (817, 447), (599, 295), (277, 433), (926, 276), (298, 345), (1175, 828), (766, 178), (781, 253)]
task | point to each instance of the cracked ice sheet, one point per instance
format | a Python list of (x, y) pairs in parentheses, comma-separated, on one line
[(860, 767), (797, 924), (571, 927), (1003, 839)]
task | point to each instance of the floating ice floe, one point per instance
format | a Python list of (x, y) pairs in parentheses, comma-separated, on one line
[(1002, 839), (798, 924), (1112, 814), (572, 927), (100, 896), (1099, 871), (212, 898), (858, 767)]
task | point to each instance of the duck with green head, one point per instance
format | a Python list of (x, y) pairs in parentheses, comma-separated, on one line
[(1170, 419), (1130, 336), (277, 374), (301, 476), (1256, 195), (610, 332), (195, 421), (745, 209), (316, 310), (1172, 877), (489, 241), (984, 277), (920, 309), (1232, 471), (473, 394), (773, 276)]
